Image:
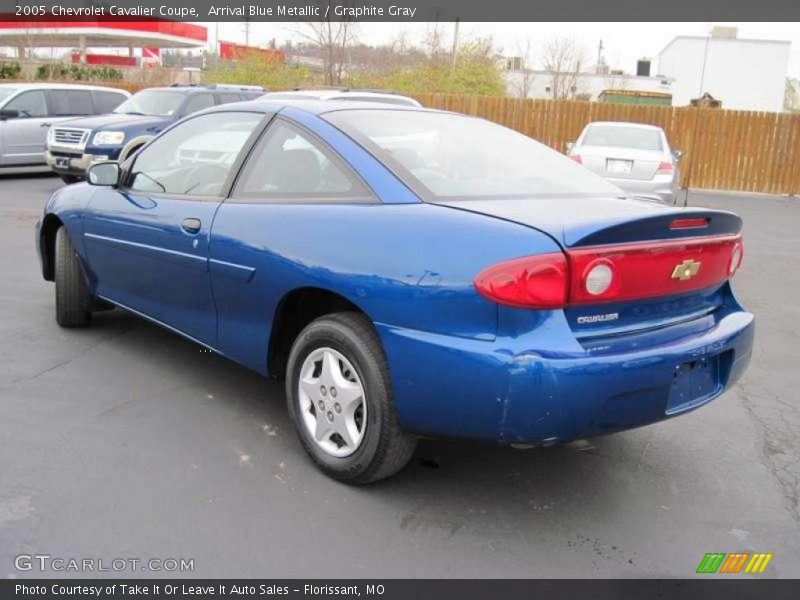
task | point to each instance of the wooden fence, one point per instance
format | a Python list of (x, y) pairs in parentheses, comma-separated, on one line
[(722, 149)]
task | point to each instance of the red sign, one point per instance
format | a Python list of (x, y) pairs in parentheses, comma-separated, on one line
[(231, 51)]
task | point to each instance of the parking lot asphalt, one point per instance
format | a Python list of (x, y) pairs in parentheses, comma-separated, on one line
[(126, 441)]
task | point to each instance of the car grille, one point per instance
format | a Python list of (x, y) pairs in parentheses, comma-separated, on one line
[(65, 154), (67, 136)]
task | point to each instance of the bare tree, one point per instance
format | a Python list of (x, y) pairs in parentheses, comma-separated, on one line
[(333, 38), (791, 96), (523, 78), (434, 41), (564, 60), (376, 61), (616, 81)]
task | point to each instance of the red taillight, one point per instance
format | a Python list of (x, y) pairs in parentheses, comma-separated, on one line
[(612, 273), (577, 158), (665, 167), (528, 282), (653, 269), (689, 223)]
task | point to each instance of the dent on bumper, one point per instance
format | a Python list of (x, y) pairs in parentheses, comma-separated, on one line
[(498, 390), (660, 189)]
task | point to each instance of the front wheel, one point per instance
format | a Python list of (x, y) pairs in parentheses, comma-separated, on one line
[(73, 301), (339, 397)]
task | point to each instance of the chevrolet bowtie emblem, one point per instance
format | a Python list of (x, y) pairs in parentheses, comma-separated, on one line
[(686, 270)]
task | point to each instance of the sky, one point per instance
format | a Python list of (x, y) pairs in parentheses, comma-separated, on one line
[(624, 43)]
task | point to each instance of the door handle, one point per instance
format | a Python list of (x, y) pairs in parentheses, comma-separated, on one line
[(191, 225)]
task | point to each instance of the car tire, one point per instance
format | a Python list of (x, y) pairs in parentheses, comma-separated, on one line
[(384, 448), (69, 179), (73, 300)]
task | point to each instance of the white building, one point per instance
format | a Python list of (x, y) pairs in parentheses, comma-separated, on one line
[(744, 74), (587, 86)]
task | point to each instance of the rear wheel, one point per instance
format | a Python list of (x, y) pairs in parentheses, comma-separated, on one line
[(73, 300), (340, 399)]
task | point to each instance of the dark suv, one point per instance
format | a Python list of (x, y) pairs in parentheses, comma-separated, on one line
[(74, 145)]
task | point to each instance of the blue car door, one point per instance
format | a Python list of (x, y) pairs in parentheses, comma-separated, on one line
[(147, 240), (292, 191)]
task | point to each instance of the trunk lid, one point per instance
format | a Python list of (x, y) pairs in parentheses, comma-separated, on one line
[(592, 221), (621, 163)]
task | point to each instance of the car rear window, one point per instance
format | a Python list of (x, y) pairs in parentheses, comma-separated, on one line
[(5, 92), (66, 103), (105, 102), (228, 98), (623, 137), (446, 156)]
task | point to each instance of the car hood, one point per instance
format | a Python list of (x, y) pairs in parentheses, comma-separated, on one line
[(595, 220), (119, 121)]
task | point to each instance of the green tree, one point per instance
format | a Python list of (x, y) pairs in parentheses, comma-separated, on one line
[(254, 69), (476, 71)]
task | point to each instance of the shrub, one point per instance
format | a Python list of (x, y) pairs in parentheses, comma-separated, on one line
[(10, 70), (73, 72)]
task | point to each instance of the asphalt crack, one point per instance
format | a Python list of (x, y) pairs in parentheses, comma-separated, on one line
[(778, 438), (71, 359)]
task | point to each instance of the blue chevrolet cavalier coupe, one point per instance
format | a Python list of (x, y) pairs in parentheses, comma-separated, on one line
[(409, 273)]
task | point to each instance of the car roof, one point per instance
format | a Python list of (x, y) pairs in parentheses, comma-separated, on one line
[(181, 89), (61, 86), (195, 89), (624, 124), (314, 106), (334, 94)]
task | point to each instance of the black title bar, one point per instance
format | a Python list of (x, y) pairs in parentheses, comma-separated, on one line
[(418, 589), (401, 10)]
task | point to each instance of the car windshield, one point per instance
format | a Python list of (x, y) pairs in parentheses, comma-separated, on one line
[(157, 103), (5, 92), (445, 156), (619, 136)]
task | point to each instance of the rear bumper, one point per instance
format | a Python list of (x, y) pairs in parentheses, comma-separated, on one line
[(659, 188), (510, 390)]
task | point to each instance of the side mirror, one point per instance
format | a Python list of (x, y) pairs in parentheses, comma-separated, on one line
[(570, 146), (104, 174), (677, 154), (8, 113)]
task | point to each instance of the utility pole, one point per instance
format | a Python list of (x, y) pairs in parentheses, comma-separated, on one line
[(247, 32), (598, 68), (455, 45)]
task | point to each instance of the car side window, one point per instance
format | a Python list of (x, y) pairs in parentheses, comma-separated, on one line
[(105, 102), (194, 158), (29, 104), (198, 102), (291, 165), (68, 103), (228, 98)]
